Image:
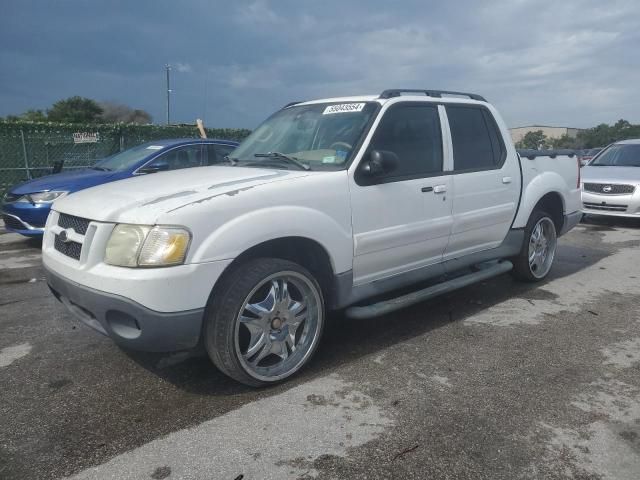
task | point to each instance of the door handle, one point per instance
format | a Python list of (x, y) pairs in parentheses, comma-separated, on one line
[(506, 179), (426, 189), (439, 189)]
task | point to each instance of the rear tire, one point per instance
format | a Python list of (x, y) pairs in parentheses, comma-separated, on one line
[(264, 321), (536, 257)]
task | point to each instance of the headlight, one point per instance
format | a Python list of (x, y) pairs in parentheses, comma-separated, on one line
[(124, 245), (164, 246), (140, 245), (42, 197)]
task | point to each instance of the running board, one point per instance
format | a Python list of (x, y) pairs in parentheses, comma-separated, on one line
[(487, 270)]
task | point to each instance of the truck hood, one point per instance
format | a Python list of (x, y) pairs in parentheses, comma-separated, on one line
[(69, 181), (142, 199), (628, 175)]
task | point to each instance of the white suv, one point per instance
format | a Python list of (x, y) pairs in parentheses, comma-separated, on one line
[(325, 205)]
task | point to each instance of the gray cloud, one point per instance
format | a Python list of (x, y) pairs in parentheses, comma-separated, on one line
[(566, 63)]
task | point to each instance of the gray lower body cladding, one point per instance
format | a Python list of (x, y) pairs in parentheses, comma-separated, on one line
[(570, 221), (346, 294), (128, 323)]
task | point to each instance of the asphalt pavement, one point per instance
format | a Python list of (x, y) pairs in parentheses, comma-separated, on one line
[(500, 380)]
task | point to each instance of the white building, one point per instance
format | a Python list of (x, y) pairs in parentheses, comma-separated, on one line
[(518, 133)]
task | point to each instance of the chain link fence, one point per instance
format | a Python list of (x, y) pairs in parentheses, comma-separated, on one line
[(31, 150)]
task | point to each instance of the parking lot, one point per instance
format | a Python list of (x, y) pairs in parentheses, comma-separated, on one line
[(498, 380)]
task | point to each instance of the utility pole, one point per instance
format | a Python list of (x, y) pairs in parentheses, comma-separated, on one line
[(168, 69)]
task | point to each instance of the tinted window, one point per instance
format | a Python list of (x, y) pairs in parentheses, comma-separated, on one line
[(182, 157), (477, 143), (128, 158), (412, 132)]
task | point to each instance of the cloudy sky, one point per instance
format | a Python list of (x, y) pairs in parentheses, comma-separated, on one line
[(561, 62)]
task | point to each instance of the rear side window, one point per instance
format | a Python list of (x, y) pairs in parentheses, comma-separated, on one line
[(413, 133), (217, 152), (179, 158), (477, 143)]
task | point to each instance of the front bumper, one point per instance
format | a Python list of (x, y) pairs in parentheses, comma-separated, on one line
[(24, 218), (128, 323), (170, 289), (627, 206)]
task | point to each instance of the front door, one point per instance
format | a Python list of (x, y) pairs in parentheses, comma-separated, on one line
[(402, 220)]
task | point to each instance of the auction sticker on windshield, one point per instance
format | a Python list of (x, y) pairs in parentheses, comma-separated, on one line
[(343, 108)]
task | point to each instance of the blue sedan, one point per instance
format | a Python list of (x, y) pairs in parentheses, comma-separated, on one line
[(25, 207)]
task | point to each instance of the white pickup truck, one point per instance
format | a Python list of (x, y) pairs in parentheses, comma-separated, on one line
[(328, 205)]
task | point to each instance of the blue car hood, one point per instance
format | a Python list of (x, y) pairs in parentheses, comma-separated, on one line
[(70, 181)]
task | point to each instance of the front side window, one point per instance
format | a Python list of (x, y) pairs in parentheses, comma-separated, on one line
[(619, 155), (127, 159), (477, 143), (413, 133), (321, 136)]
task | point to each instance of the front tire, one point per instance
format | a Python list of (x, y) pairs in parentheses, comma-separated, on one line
[(264, 321), (536, 257)]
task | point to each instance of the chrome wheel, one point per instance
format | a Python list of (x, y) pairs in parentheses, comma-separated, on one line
[(278, 326), (542, 247)]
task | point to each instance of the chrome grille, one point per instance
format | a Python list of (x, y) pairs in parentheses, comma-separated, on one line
[(605, 207), (609, 188), (78, 224), (70, 249)]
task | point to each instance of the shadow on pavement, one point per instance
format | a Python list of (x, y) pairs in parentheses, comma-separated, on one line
[(346, 339), (610, 223)]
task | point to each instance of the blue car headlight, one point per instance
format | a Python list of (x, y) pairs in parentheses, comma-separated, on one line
[(42, 197)]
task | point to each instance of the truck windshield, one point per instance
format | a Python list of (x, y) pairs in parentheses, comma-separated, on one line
[(620, 155), (319, 136)]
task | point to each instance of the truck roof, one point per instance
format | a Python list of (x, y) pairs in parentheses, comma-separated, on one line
[(408, 94)]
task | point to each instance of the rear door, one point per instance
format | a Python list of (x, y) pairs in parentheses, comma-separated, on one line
[(401, 220), (184, 156), (486, 187)]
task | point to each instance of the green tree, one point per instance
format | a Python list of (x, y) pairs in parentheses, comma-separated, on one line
[(604, 134), (34, 116), (29, 116), (534, 140), (75, 110), (565, 141), (115, 113)]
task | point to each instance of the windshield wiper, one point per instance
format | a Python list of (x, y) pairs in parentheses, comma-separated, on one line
[(102, 169), (285, 157)]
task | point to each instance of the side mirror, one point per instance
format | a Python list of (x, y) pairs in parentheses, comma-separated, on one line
[(380, 162), (153, 168)]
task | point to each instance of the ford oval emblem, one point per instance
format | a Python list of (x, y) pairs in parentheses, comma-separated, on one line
[(607, 188)]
